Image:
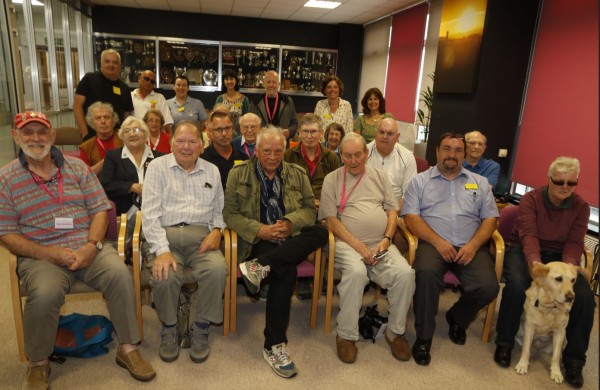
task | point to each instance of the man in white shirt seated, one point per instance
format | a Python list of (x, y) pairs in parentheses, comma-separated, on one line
[(387, 154), (183, 223), (145, 98)]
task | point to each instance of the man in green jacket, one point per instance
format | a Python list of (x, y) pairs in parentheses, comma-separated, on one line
[(271, 206), (317, 162)]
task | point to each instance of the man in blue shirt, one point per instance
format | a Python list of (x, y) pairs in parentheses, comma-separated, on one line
[(474, 161), (453, 213)]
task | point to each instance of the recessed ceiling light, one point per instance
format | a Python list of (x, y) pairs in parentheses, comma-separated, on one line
[(322, 4), (33, 2)]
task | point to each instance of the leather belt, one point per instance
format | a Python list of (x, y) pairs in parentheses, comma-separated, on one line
[(182, 224)]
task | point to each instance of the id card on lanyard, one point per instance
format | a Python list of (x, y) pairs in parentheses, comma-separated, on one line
[(61, 222)]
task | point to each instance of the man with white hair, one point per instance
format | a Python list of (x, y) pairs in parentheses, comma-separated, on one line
[(474, 161), (249, 127), (551, 226), (387, 154)]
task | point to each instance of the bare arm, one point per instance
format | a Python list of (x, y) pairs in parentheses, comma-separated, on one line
[(97, 168), (21, 246), (86, 254), (79, 115)]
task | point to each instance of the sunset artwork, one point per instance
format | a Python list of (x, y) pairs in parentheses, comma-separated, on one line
[(461, 32)]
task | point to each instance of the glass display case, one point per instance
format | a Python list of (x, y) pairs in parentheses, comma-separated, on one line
[(197, 60), (138, 53), (250, 62), (303, 69)]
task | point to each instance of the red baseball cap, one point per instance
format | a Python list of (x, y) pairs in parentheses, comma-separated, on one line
[(24, 118)]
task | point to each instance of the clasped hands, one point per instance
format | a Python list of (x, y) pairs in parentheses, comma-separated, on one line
[(463, 256), (368, 254), (73, 259), (279, 231)]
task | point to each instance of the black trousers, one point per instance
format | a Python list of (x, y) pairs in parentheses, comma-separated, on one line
[(283, 260), (478, 281), (581, 318)]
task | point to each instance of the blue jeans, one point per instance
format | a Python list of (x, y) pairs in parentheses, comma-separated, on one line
[(517, 280)]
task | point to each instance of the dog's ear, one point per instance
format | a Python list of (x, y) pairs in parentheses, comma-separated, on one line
[(538, 270)]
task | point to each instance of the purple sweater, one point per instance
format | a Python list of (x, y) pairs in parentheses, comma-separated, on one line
[(541, 226)]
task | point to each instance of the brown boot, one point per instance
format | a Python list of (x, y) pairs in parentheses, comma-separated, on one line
[(398, 345), (346, 349), (37, 377)]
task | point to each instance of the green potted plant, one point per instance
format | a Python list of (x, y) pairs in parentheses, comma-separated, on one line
[(425, 115)]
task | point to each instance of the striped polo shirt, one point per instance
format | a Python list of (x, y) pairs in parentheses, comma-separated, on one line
[(25, 208)]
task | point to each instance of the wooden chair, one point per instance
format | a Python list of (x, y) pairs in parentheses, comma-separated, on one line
[(142, 275), (409, 242), (304, 269), (79, 291), (67, 136)]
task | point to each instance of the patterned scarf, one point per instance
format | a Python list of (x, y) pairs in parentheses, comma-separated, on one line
[(270, 201)]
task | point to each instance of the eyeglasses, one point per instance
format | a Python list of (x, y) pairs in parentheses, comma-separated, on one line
[(227, 129), (133, 130), (148, 79), (250, 127), (561, 183), (310, 132)]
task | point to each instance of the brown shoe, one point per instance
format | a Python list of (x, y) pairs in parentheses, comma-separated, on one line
[(136, 365), (37, 377), (346, 349), (399, 346)]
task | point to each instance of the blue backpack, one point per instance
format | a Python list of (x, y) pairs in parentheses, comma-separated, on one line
[(83, 336)]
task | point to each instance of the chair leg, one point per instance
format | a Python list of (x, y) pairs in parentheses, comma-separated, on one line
[(233, 283), (227, 293), (487, 325), (316, 291), (329, 298)]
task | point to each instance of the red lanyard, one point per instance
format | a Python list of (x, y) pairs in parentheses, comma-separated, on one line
[(345, 197), (271, 116), (312, 164), (247, 150), (42, 183)]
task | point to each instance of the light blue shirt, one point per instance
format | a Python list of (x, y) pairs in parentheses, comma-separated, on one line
[(455, 208), (487, 168), (191, 110)]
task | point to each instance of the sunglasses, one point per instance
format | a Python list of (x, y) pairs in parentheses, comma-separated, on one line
[(148, 79), (561, 183)]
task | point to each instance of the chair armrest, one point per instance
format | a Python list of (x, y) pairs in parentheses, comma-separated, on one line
[(121, 236), (497, 251), (587, 263), (136, 257), (410, 239)]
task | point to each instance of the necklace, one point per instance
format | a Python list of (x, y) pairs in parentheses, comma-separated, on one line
[(375, 119)]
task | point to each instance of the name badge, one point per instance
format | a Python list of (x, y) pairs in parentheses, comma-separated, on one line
[(116, 90), (236, 162), (327, 116), (471, 186), (180, 109), (63, 223)]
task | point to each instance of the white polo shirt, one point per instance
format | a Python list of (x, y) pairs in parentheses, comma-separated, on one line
[(400, 165)]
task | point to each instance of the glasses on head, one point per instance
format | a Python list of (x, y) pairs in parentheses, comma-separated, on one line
[(452, 135), (227, 129), (310, 132), (561, 183), (133, 130), (148, 79)]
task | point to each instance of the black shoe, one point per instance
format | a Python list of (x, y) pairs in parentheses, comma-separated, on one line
[(502, 356), (304, 289), (455, 332), (573, 375), (420, 352)]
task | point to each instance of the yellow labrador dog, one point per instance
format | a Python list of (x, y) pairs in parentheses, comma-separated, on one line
[(547, 305)]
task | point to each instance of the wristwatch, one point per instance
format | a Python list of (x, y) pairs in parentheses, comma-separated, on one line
[(221, 230), (97, 244), (388, 238)]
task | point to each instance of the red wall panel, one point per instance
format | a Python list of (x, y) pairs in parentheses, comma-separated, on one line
[(406, 46), (561, 109)]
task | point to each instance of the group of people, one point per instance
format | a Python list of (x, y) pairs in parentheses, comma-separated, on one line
[(282, 203)]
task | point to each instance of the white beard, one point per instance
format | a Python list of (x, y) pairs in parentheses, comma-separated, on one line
[(36, 154)]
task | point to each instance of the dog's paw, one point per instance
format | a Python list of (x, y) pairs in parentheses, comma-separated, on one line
[(521, 368), (556, 375)]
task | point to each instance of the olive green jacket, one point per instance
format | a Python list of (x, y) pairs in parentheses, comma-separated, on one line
[(242, 202)]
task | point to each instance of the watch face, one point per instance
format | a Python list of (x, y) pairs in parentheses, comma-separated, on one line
[(99, 246)]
